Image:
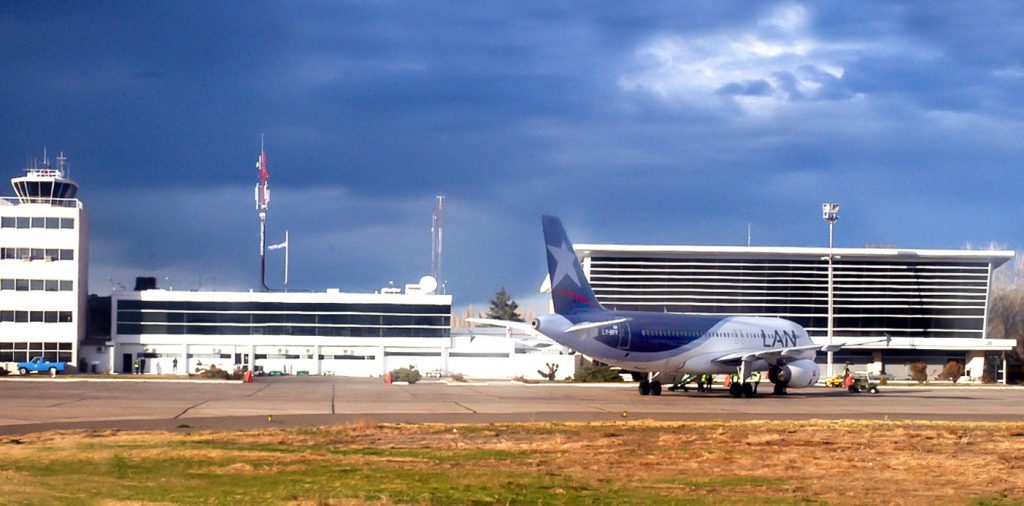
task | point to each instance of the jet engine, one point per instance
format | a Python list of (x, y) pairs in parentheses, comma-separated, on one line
[(796, 374)]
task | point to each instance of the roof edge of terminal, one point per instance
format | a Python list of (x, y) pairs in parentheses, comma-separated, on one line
[(997, 257)]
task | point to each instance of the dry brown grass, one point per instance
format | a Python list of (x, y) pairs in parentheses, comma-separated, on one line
[(847, 462)]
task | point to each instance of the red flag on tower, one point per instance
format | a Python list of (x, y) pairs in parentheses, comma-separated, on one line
[(263, 189)]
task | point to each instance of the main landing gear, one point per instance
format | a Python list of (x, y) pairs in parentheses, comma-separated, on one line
[(738, 389), (649, 385)]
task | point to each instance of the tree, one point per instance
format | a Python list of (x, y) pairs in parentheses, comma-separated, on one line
[(1006, 318), (503, 307)]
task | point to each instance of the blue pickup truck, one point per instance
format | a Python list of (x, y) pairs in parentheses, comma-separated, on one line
[(39, 364)]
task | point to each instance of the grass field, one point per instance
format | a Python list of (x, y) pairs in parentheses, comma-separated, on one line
[(643, 462)]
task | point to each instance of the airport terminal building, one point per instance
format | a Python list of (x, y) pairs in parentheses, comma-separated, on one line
[(315, 333), (891, 306)]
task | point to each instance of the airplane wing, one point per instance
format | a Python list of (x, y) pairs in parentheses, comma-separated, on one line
[(773, 355)]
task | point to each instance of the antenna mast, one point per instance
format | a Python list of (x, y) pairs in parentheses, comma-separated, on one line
[(262, 204)]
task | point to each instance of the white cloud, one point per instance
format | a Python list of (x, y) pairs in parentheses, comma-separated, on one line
[(715, 70)]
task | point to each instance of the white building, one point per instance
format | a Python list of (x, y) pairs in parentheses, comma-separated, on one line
[(43, 267), (317, 333), (892, 307)]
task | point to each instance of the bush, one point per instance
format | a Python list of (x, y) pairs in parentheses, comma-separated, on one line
[(597, 374), (4, 371), (952, 372), (458, 377), (919, 372), (406, 374), (213, 372)]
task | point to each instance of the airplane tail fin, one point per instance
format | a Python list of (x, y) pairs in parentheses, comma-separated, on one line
[(570, 290)]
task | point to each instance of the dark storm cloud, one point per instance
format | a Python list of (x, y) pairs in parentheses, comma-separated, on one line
[(636, 122)]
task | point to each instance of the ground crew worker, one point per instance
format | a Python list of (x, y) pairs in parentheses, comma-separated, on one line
[(700, 382), (136, 366), (756, 378), (708, 380)]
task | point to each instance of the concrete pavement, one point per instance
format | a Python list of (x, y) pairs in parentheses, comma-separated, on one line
[(34, 404)]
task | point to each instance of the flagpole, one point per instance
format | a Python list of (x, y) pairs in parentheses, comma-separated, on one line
[(286, 248)]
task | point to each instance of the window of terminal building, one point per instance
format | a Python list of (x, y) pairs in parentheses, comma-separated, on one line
[(23, 352), (48, 285), (36, 222), (47, 254), (36, 316)]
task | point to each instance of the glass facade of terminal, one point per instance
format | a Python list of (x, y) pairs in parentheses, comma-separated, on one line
[(141, 317), (872, 296)]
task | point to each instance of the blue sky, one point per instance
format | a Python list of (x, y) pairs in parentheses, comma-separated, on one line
[(653, 123)]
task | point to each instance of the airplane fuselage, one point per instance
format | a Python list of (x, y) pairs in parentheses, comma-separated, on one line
[(663, 342)]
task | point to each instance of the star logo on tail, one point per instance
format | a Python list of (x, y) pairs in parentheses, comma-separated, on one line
[(565, 264)]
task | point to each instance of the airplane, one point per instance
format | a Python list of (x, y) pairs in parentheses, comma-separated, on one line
[(666, 344)]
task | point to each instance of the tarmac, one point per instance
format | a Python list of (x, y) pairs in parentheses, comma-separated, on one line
[(33, 404)]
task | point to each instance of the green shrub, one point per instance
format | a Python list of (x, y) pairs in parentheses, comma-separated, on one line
[(597, 374), (406, 374), (919, 372)]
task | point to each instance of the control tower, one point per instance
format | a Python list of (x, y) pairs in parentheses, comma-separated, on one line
[(44, 237), (46, 185)]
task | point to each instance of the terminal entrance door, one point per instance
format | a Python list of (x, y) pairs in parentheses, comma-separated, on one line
[(126, 363)]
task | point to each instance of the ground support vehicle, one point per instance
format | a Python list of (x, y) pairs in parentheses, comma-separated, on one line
[(863, 382), (39, 364)]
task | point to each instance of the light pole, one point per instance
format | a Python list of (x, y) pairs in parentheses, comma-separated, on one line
[(830, 212)]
